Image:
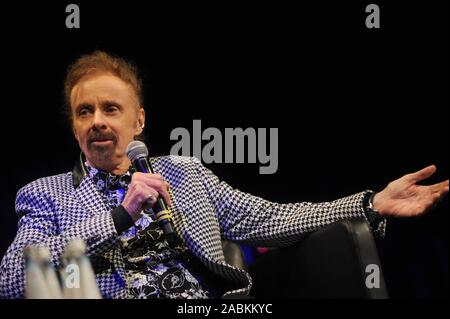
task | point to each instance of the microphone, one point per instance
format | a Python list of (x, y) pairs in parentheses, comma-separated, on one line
[(137, 152)]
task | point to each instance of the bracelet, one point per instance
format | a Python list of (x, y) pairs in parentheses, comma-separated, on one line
[(372, 214)]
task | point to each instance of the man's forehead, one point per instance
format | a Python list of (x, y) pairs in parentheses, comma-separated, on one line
[(102, 87)]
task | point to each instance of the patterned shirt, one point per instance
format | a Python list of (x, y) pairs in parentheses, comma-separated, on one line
[(154, 269)]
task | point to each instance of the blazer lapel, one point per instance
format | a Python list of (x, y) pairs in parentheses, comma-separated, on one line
[(85, 190)]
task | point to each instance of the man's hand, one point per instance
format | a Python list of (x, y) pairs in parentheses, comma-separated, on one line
[(404, 198), (143, 191)]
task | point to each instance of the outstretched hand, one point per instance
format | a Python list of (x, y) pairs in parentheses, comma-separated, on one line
[(404, 198)]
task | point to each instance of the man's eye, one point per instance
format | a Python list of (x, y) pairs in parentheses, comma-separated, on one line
[(84, 111), (111, 108)]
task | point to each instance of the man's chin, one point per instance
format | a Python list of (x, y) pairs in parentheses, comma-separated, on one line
[(101, 156)]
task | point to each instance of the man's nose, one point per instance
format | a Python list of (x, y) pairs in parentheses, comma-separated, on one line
[(99, 120)]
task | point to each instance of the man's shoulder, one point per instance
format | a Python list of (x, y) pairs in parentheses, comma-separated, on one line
[(173, 165), (173, 160), (49, 184)]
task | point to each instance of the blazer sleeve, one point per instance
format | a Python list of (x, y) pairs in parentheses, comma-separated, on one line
[(38, 225), (256, 221)]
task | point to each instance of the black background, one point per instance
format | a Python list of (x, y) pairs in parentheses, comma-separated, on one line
[(355, 108)]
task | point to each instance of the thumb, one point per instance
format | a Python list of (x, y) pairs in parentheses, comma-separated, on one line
[(422, 174)]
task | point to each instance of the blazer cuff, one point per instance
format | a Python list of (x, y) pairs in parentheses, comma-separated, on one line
[(122, 220)]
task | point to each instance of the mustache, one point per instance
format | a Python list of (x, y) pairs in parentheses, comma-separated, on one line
[(101, 136)]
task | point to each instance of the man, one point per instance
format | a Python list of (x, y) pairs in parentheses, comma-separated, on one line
[(102, 199)]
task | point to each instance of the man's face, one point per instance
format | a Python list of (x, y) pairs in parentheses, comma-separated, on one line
[(106, 117)]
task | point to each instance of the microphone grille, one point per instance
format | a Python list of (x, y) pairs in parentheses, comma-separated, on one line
[(136, 149)]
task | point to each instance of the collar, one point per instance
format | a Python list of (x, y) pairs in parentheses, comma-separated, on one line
[(79, 171)]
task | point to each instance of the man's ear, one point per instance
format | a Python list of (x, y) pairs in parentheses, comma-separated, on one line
[(140, 121), (75, 134)]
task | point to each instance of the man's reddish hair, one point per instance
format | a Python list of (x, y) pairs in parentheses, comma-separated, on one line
[(100, 61)]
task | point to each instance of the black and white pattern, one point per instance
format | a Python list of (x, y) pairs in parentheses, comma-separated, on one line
[(52, 211), (153, 268), (113, 187)]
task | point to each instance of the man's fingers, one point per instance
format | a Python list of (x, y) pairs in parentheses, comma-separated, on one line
[(441, 187), (154, 180), (151, 196), (439, 193), (154, 196), (422, 174), (166, 197), (162, 189), (157, 183)]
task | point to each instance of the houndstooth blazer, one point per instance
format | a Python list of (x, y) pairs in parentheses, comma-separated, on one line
[(56, 209)]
